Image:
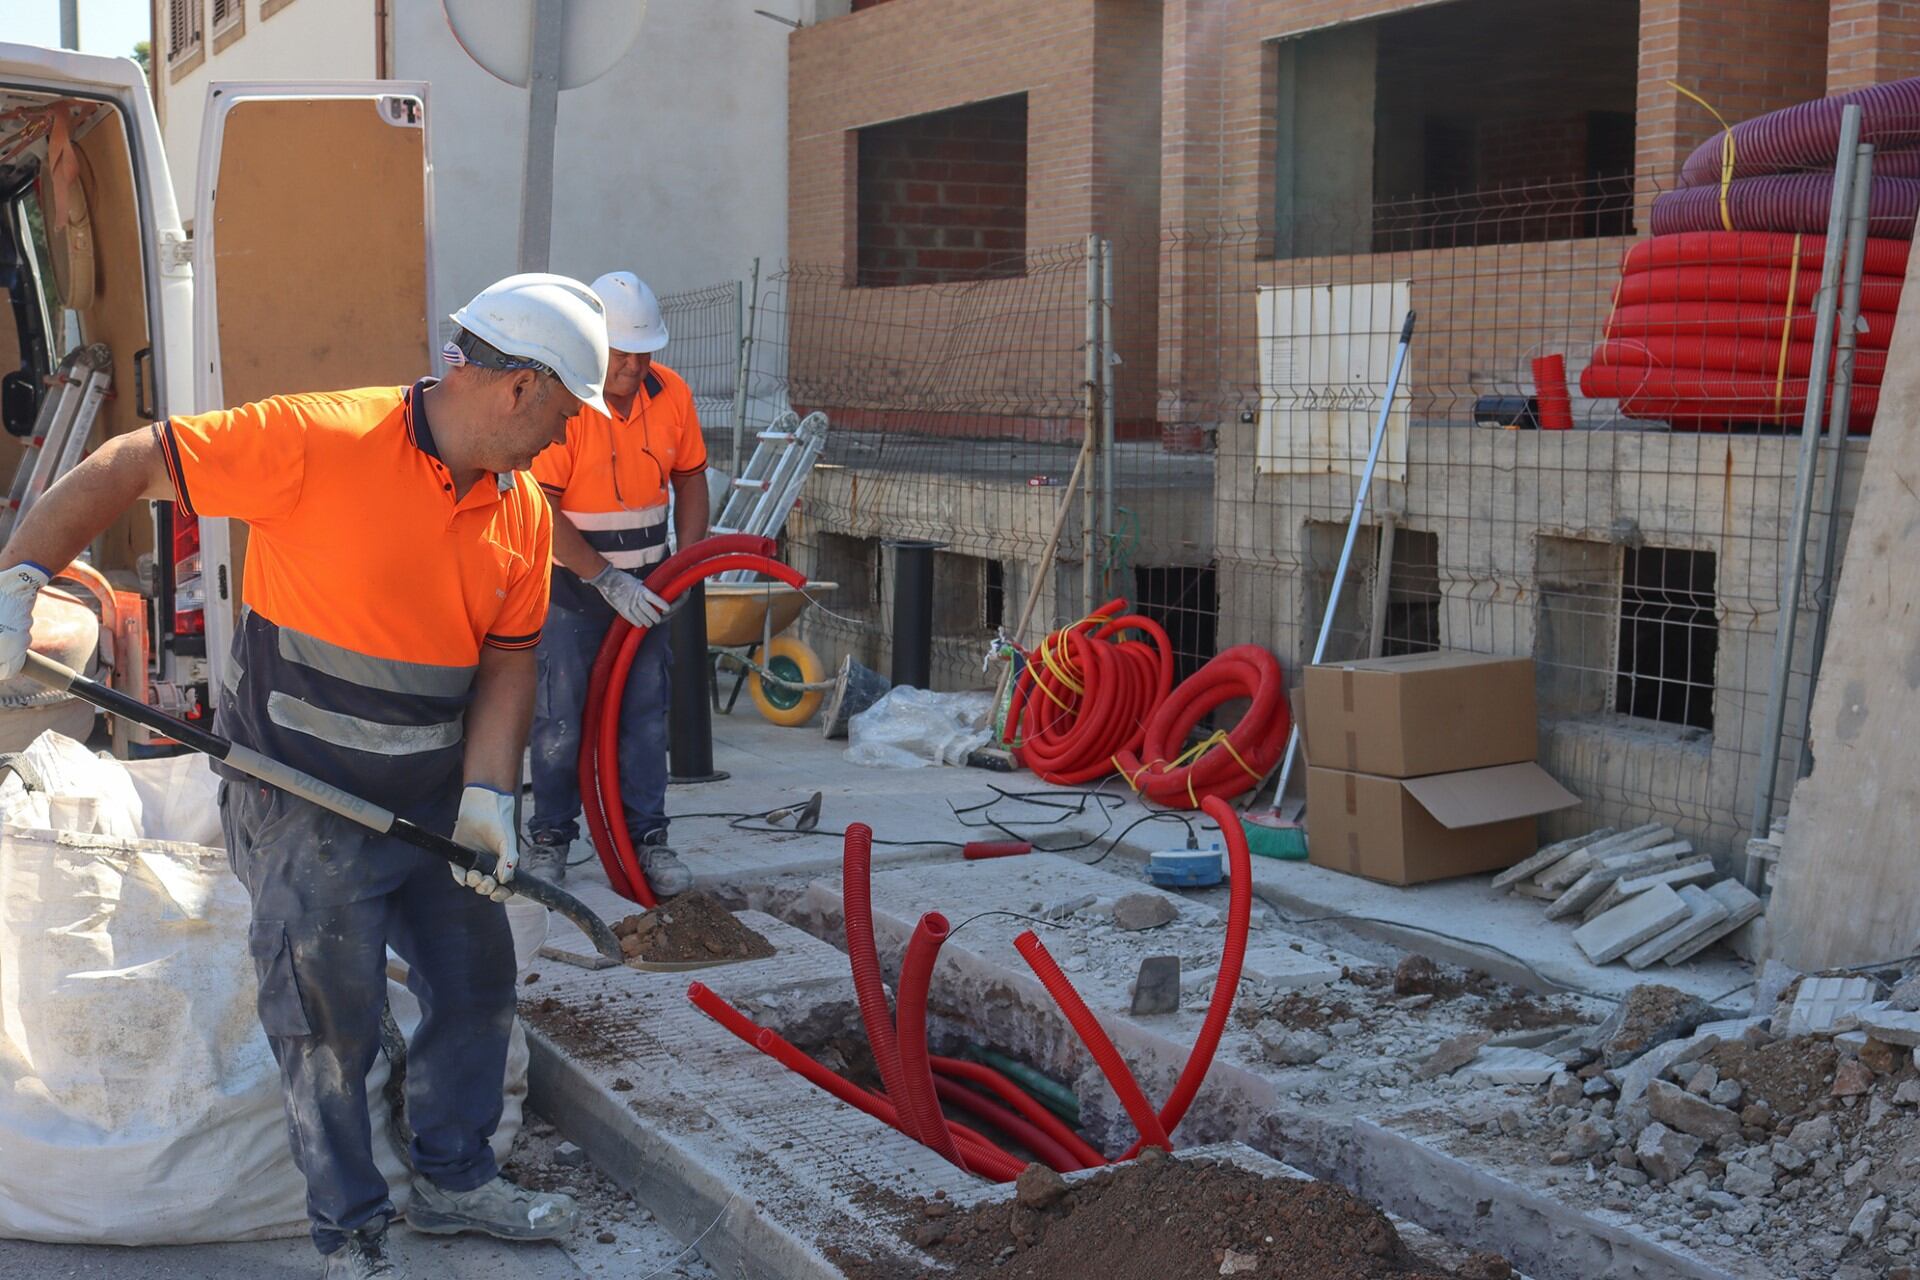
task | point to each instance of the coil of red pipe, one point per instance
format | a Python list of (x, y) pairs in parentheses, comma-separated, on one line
[(1737, 320), (1697, 399), (1231, 763), (1085, 694), (1808, 133), (1729, 283), (1782, 202), (1734, 355), (600, 729), (1776, 249)]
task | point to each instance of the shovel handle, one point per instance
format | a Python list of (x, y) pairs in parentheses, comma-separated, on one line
[(49, 674)]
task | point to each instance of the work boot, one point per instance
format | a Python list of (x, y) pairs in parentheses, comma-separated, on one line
[(545, 854), (667, 876), (498, 1208), (365, 1256)]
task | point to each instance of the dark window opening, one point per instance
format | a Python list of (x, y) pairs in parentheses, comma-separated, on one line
[(854, 563), (1184, 600), (1412, 619), (964, 596), (994, 596), (943, 197), (1669, 636)]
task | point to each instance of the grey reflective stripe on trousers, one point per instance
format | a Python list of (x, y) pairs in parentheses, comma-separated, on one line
[(389, 675), (357, 734)]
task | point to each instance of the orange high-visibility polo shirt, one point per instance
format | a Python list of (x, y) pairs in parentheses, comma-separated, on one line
[(369, 588)]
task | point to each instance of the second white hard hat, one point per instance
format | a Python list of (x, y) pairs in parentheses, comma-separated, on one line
[(634, 322), (542, 321)]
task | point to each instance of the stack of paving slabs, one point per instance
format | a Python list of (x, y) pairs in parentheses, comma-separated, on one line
[(1642, 896), (1421, 766)]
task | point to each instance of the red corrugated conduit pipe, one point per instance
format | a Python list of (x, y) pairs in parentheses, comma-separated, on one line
[(916, 1073), (1085, 693), (1226, 764), (600, 729)]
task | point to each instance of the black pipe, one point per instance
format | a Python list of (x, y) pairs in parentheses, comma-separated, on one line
[(689, 712), (913, 613)]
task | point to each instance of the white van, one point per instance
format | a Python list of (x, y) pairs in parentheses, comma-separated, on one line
[(309, 270)]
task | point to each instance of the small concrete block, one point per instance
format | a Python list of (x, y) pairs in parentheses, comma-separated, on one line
[(1157, 989), (1633, 922), (1705, 911), (1637, 1075), (1547, 857), (1582, 861), (1895, 1026), (1511, 1066), (569, 1156), (1528, 889), (1281, 966), (1638, 880), (1698, 871), (1581, 894), (1741, 903), (1824, 1003)]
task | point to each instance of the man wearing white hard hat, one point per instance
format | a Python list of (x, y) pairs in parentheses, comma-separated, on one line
[(395, 591), (611, 484)]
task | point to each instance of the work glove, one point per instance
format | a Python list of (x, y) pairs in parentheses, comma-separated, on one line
[(486, 822), (629, 597), (19, 585)]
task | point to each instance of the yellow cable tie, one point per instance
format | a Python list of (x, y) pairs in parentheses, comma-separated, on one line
[(1786, 329), (1726, 151)]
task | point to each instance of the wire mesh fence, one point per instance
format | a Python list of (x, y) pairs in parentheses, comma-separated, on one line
[(1591, 458)]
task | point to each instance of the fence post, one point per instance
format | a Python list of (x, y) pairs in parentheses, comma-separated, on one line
[(745, 332), (1794, 554), (1089, 511), (1108, 358)]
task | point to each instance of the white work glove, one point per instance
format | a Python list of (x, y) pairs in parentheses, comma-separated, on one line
[(629, 597), (486, 822), (19, 585)]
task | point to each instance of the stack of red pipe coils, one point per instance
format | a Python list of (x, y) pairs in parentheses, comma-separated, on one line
[(1229, 762), (915, 1081), (1085, 693), (1715, 328), (1775, 172), (600, 728)]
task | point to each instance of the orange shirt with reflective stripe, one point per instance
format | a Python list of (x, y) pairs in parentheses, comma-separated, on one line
[(626, 464), (356, 536)]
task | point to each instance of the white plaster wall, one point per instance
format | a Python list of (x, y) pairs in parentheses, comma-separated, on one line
[(673, 165), (304, 40)]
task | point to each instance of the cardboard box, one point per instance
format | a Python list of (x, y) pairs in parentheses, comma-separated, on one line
[(1422, 713), (1406, 830)]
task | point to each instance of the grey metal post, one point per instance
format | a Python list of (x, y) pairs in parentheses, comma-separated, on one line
[(70, 24), (1346, 548), (1793, 558), (1859, 222), (1108, 358), (1088, 509), (543, 114), (743, 325)]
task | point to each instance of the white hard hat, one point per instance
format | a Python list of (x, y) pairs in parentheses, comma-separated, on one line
[(634, 322), (537, 321)]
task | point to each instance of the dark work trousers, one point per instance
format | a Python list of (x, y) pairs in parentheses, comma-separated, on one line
[(568, 643), (329, 898)]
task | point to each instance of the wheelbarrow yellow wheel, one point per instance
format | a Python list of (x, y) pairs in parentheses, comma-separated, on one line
[(788, 659)]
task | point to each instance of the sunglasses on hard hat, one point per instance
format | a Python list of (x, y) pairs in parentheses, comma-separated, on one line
[(467, 349)]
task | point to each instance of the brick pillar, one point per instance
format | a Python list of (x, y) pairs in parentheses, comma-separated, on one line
[(1872, 42), (1746, 57)]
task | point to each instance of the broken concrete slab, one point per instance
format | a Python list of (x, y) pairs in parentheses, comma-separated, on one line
[(1572, 868), (1665, 1153), (1827, 1005), (1157, 989), (1528, 889), (1600, 880), (1691, 871), (1547, 857), (1680, 1109), (1706, 911), (1454, 1054), (1631, 923), (1507, 1065), (1742, 906), (1894, 1026), (1651, 1014), (1637, 1075), (1281, 966)]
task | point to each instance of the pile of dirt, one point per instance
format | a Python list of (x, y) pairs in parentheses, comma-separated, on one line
[(690, 929), (1160, 1218), (1525, 1012), (1790, 1076)]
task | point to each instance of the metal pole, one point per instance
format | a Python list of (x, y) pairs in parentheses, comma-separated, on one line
[(69, 24), (543, 114), (746, 365), (1353, 534), (1088, 511), (913, 613), (690, 706), (1859, 220), (1108, 358), (1793, 559)]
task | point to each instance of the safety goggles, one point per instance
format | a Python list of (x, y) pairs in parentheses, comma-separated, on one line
[(467, 349)]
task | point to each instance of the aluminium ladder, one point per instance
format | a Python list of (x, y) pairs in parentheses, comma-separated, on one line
[(763, 495), (60, 430)]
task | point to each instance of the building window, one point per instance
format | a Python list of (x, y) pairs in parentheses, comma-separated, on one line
[(1387, 138), (1411, 623), (1184, 600), (943, 196), (1669, 636), (854, 563), (226, 13), (185, 30), (969, 595), (1407, 620)]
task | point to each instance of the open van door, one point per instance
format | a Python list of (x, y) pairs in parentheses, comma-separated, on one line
[(312, 264)]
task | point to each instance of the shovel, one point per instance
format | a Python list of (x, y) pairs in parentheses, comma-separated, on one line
[(52, 675)]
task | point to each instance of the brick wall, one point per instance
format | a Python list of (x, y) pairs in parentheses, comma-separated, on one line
[(1871, 42), (943, 196)]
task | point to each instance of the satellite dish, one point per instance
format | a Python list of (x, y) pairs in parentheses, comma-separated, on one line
[(498, 34)]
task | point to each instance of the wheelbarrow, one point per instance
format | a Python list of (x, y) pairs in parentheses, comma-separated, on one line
[(784, 677)]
